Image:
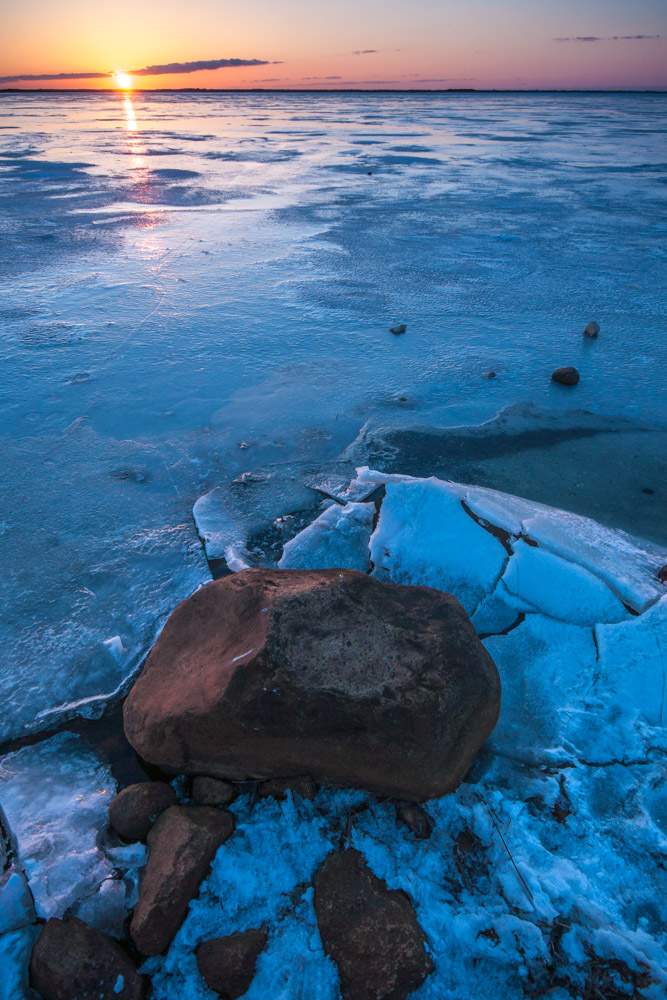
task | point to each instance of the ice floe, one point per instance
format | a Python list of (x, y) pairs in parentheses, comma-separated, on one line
[(55, 796), (339, 537)]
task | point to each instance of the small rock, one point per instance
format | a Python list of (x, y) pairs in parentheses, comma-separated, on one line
[(135, 809), (566, 376), (662, 574), (212, 792), (72, 961), (278, 788), (182, 846), (369, 931), (397, 329), (417, 819), (227, 964), (490, 374), (592, 329), (647, 489)]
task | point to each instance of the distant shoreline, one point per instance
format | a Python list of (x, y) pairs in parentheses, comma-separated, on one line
[(309, 90)]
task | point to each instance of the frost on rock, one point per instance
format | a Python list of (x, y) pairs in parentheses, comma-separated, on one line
[(424, 536), (56, 796), (338, 538)]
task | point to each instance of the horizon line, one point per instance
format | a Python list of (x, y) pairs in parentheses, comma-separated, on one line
[(336, 90)]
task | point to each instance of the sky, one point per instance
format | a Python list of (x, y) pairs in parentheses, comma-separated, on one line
[(430, 44)]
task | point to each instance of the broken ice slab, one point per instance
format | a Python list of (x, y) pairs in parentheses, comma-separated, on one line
[(627, 565), (633, 663), (56, 796), (223, 538), (559, 588), (15, 951), (16, 905), (339, 537), (424, 536)]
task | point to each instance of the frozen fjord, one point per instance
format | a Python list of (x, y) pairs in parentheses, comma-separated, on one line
[(186, 274)]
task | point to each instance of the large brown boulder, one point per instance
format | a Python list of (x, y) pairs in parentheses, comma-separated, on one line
[(72, 961), (369, 931), (182, 845), (277, 673), (227, 964)]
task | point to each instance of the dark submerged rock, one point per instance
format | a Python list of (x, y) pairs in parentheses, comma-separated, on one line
[(212, 792), (134, 810), (182, 845), (592, 329), (277, 788), (662, 574), (227, 964), (566, 376), (397, 329), (272, 673), (72, 961), (370, 932), (416, 819)]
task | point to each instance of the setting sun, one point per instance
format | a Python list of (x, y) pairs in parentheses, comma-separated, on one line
[(123, 81)]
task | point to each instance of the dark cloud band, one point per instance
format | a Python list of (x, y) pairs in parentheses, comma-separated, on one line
[(609, 38), (159, 70)]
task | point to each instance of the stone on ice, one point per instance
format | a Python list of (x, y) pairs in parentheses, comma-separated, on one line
[(425, 536), (339, 537)]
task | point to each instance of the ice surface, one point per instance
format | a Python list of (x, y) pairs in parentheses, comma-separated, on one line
[(633, 664), (425, 536), (222, 537), (15, 951), (56, 796), (559, 588), (339, 537), (16, 905)]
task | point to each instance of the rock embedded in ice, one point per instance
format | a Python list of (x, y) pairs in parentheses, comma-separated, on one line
[(397, 329), (227, 964), (134, 810), (212, 792), (559, 588), (416, 819), (56, 796), (425, 536), (592, 329), (566, 375), (370, 932), (182, 845), (280, 788), (71, 959), (272, 673), (339, 537)]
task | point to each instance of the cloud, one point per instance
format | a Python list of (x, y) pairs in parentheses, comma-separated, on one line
[(199, 64), (609, 38), (321, 77), (54, 76), (364, 52), (159, 70)]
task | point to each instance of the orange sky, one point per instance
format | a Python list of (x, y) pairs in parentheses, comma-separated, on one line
[(359, 43)]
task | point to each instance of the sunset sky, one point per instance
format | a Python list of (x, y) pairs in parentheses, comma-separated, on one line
[(336, 43)]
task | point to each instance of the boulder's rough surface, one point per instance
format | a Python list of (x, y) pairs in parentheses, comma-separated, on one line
[(270, 673), (72, 961), (228, 964), (182, 846), (370, 932), (135, 809), (278, 788), (212, 792), (566, 376)]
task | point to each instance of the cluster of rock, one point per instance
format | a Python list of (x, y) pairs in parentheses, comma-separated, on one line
[(326, 675)]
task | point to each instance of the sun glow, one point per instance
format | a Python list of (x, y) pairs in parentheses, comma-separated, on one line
[(123, 81)]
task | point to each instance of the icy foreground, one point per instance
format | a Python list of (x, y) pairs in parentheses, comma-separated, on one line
[(545, 873)]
